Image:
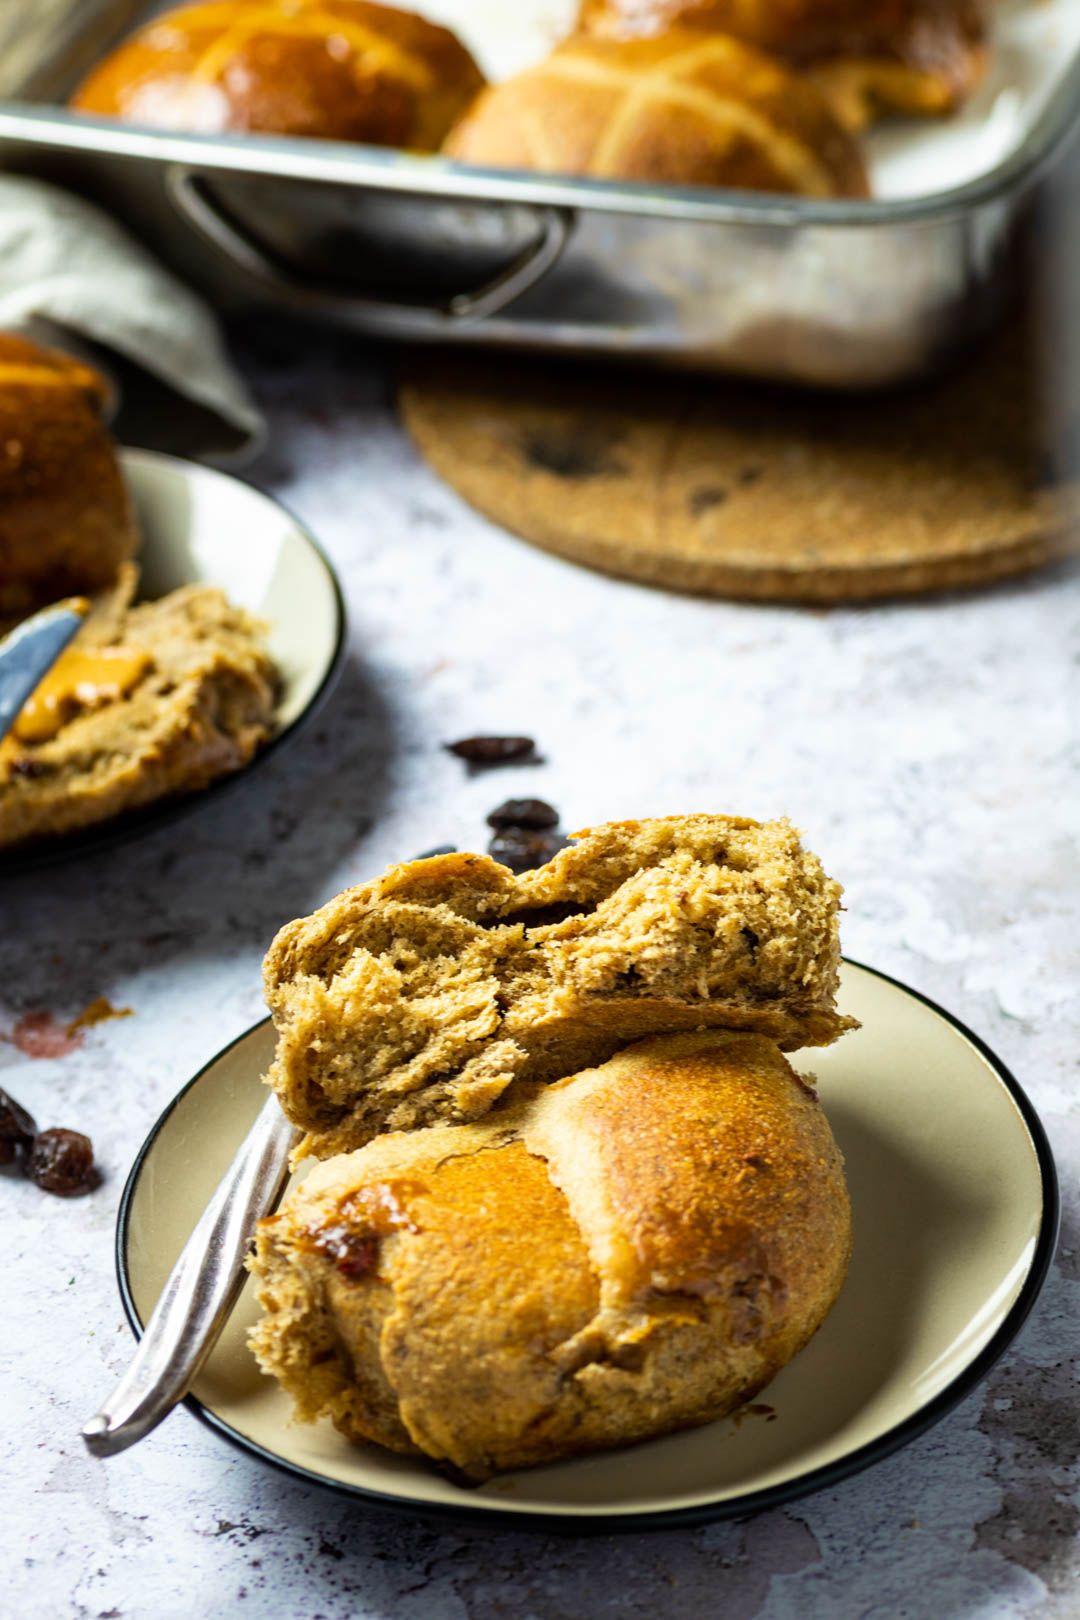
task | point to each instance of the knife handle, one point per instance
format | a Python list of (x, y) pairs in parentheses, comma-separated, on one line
[(200, 1291)]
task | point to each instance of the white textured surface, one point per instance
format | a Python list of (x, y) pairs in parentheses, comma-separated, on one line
[(929, 752)]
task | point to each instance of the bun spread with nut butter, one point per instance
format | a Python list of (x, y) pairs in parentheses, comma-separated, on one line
[(583, 1198), (150, 699)]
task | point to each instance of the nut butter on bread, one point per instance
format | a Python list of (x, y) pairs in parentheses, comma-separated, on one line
[(146, 702), (680, 108), (634, 1249), (66, 522), (426, 995), (346, 70), (867, 56)]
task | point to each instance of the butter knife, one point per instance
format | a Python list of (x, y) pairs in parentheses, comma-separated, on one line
[(201, 1289), (29, 652)]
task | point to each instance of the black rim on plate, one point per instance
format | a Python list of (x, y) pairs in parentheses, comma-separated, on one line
[(607, 1523), (95, 840)]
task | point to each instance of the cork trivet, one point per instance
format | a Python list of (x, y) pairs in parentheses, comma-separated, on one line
[(738, 490)]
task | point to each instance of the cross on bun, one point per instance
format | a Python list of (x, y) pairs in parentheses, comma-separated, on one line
[(680, 108), (66, 523), (345, 70), (427, 994), (635, 1249), (910, 56)]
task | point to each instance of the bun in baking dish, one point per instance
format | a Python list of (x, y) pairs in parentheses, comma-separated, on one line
[(636, 1249), (681, 108), (425, 995), (867, 56), (345, 70), (66, 522)]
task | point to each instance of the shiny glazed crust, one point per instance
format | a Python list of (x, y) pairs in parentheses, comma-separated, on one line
[(423, 996), (340, 69), (66, 523), (635, 1249), (867, 56), (679, 108)]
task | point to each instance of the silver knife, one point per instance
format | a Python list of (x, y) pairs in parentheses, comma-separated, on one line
[(201, 1289), (30, 651)]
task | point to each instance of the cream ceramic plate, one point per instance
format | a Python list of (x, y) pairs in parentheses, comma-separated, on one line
[(955, 1210), (203, 527)]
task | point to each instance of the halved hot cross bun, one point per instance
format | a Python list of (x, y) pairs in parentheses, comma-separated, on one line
[(427, 994), (637, 1248)]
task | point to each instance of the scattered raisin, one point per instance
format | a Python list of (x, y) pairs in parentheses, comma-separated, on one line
[(482, 752), (26, 765), (62, 1162), (17, 1129), (523, 813), (524, 848)]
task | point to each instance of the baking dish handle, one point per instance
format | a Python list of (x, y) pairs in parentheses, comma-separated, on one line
[(190, 195)]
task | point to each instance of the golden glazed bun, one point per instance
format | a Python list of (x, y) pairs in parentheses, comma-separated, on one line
[(425, 995), (635, 1249), (66, 524), (345, 70), (867, 56), (681, 108)]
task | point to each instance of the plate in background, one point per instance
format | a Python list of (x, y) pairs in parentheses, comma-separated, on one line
[(200, 526), (955, 1211)]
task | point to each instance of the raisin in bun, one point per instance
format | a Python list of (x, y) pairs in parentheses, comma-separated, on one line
[(66, 523), (868, 56), (635, 1249), (680, 108), (342, 69)]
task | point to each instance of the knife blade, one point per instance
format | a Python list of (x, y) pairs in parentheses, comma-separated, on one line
[(29, 652)]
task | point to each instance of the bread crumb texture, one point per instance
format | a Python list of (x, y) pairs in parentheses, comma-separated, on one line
[(632, 1250), (426, 995)]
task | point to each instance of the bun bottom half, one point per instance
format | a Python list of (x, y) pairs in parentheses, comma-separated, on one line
[(635, 1249)]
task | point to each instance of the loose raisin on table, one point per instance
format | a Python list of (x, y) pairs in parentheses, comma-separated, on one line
[(523, 813), (17, 1129), (62, 1162), (524, 848), (486, 751)]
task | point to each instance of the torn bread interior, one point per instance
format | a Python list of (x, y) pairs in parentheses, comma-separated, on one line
[(428, 994)]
